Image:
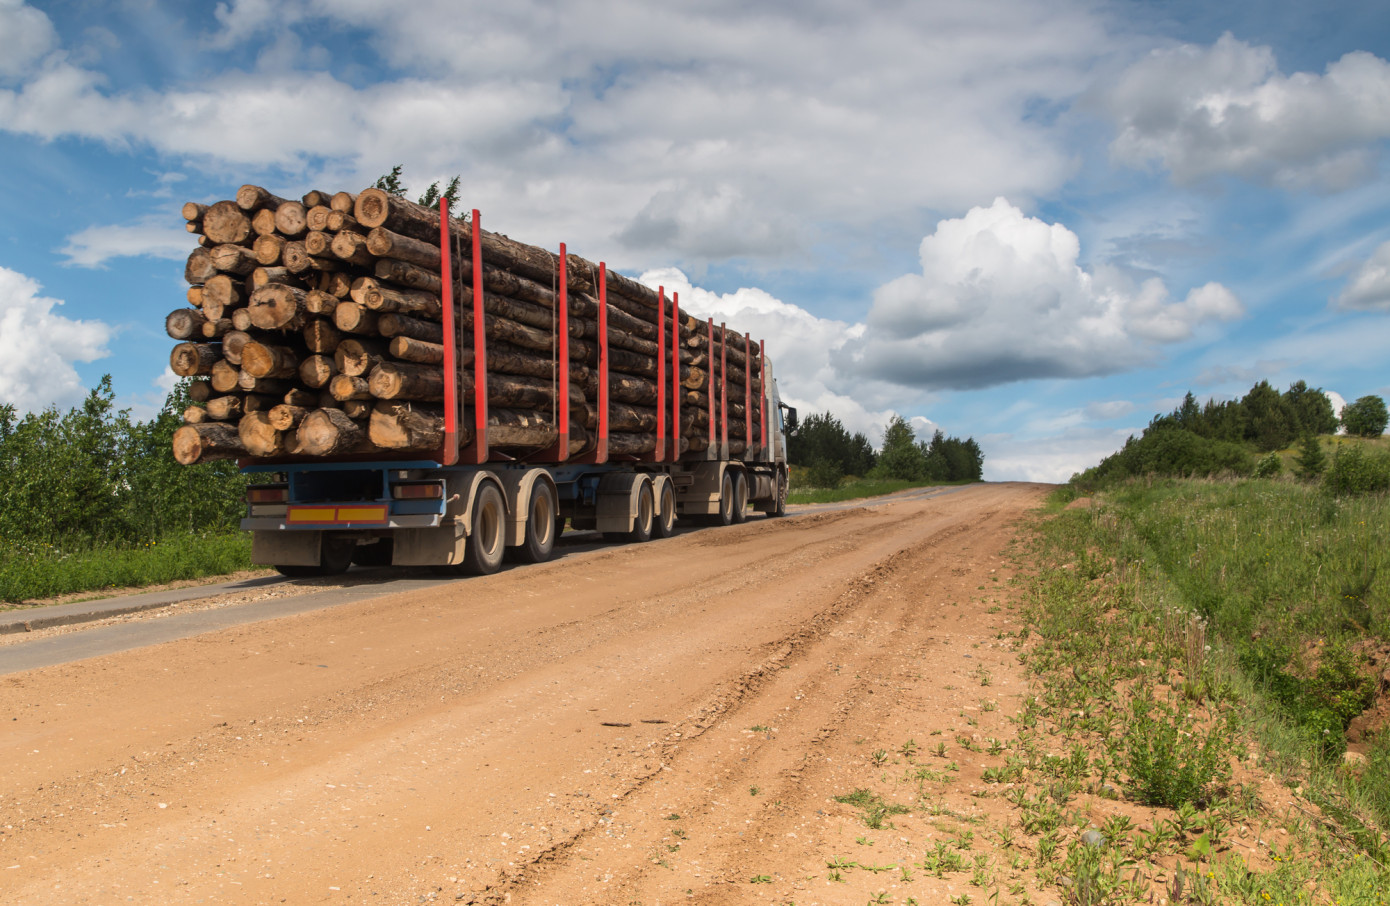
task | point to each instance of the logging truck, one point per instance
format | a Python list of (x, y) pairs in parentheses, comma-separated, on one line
[(410, 389)]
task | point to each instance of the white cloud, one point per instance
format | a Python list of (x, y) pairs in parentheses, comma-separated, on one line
[(1369, 287), (1001, 298), (38, 346), (96, 245), (1227, 110), (28, 34), (1051, 458)]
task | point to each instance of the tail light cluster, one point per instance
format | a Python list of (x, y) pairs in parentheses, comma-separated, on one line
[(418, 490)]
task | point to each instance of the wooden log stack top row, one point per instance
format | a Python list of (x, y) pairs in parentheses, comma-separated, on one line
[(314, 328)]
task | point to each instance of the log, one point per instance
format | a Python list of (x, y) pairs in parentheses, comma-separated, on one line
[(622, 443), (232, 345), (378, 208), (319, 302), (233, 259), (352, 387), (266, 386), (314, 198), (277, 306), (327, 432), (340, 221), (357, 410), (352, 248), (224, 222), (406, 425), (183, 323), (316, 219), (259, 436), (220, 293), (317, 370), (285, 418), (225, 377), (342, 201), (291, 219), (385, 244), (408, 275), (318, 243), (263, 276), (321, 337), (207, 442), (334, 283), (195, 415), (355, 318), (301, 398), (193, 212), (200, 391), (395, 325), (241, 319), (261, 360), (268, 249), (188, 359), (384, 298), (298, 259), (412, 350), (194, 295), (199, 268), (226, 408), (403, 380), (250, 197), (263, 222), (358, 356)]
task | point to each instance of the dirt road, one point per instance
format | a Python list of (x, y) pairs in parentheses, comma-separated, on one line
[(653, 723)]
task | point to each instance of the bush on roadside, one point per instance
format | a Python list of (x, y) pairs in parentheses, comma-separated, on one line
[(1355, 470)]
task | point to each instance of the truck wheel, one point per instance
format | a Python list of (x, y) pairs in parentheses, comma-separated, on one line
[(335, 556), (665, 525), (781, 508), (725, 516), (740, 513), (540, 526), (646, 515), (483, 552)]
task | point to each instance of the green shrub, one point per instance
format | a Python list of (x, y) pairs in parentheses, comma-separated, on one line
[(1367, 417), (1269, 466), (1355, 470), (824, 473), (1170, 761)]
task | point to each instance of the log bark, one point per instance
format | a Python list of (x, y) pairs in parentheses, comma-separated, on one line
[(266, 386), (408, 275), (250, 197), (406, 425), (378, 208), (622, 443), (326, 432), (385, 244), (183, 323), (411, 301), (188, 359), (226, 408), (406, 381), (350, 387), (207, 442), (263, 276), (315, 198), (411, 350), (224, 222)]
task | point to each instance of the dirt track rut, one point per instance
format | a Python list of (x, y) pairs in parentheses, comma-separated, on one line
[(526, 737)]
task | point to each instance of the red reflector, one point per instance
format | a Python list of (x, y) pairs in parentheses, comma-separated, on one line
[(267, 495), (417, 491)]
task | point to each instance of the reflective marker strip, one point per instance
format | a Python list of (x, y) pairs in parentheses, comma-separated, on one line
[(341, 515)]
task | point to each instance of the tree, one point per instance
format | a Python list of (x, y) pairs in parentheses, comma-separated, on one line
[(822, 438), (1311, 409), (1267, 423), (901, 457), (1366, 417), (391, 182), (1311, 461)]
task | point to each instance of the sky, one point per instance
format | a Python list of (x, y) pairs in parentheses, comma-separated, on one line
[(1037, 224)]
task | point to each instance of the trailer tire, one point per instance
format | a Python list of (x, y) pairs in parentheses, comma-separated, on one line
[(725, 516), (541, 526), (781, 508), (665, 524), (335, 556), (485, 546), (646, 514), (740, 508)]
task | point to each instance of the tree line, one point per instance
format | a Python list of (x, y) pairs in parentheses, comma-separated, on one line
[(829, 453), (1228, 436), (95, 476)]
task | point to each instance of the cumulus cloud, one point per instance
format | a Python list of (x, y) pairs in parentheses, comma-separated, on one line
[(96, 245), (1052, 458), (29, 35), (1001, 298), (1369, 287), (38, 346), (1226, 109)]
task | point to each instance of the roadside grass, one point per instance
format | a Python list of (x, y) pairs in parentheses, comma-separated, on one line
[(853, 489), (1201, 648), (41, 571)]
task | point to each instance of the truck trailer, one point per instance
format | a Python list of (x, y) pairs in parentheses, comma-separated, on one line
[(412, 390)]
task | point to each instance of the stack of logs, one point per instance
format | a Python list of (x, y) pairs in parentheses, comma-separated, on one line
[(315, 330)]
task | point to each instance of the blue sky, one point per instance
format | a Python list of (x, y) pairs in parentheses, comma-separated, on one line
[(1037, 224)]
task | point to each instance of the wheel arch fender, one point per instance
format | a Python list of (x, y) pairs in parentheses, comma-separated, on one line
[(618, 494), (517, 487), (468, 496)]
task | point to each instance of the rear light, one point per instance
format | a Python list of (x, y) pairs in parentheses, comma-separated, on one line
[(267, 494), (433, 490)]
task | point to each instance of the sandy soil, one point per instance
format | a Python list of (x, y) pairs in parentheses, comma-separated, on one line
[(655, 723)]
